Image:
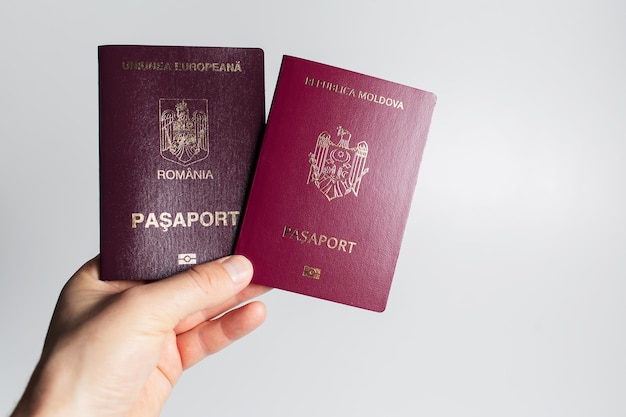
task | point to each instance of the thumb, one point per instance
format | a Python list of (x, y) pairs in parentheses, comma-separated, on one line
[(198, 288)]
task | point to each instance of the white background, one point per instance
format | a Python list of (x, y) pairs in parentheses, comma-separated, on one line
[(508, 299)]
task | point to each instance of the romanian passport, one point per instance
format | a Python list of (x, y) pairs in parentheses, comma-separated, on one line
[(334, 183), (180, 129)]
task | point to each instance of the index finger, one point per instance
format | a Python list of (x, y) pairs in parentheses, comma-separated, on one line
[(251, 291)]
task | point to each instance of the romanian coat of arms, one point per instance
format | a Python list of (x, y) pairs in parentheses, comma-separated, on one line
[(336, 168), (184, 130)]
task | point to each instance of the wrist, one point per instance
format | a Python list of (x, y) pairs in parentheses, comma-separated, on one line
[(49, 393)]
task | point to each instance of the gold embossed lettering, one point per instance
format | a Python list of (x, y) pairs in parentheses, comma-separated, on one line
[(220, 218), (179, 220), (136, 218), (165, 221), (318, 239), (192, 217), (151, 221), (233, 217), (206, 219)]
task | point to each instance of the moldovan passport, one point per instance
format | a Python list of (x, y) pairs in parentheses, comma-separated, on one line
[(334, 183), (180, 130)]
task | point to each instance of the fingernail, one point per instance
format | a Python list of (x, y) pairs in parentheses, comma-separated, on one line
[(238, 267)]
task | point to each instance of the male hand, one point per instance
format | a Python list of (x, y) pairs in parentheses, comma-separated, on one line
[(118, 348)]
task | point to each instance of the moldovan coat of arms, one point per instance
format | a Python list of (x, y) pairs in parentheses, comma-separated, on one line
[(336, 168)]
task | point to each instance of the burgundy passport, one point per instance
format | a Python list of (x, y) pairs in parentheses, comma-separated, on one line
[(180, 129), (334, 183)]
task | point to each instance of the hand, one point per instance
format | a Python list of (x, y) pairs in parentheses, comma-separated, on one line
[(117, 348)]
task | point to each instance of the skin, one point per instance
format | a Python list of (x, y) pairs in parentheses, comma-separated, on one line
[(117, 348)]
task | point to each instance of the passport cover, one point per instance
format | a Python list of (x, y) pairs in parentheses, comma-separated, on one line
[(334, 183), (180, 129)]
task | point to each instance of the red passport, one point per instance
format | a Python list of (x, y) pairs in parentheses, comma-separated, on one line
[(180, 129), (334, 183)]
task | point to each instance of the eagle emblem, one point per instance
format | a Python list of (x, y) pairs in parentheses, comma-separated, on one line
[(184, 130), (336, 168)]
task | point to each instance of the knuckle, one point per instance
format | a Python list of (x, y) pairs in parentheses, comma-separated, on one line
[(207, 283)]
